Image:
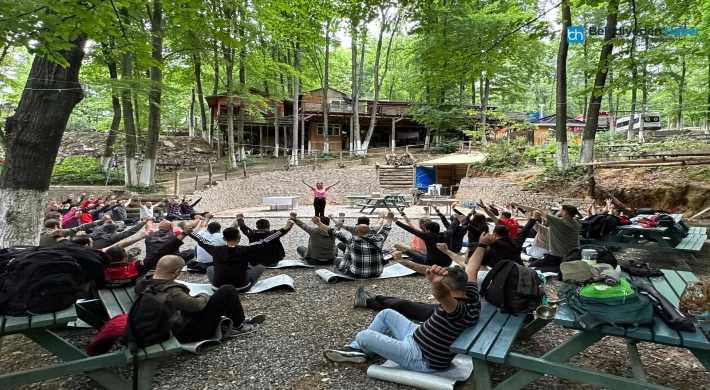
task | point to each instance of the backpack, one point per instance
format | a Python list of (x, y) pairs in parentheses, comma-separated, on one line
[(664, 220), (150, 321), (39, 282), (645, 211), (604, 255), (598, 303), (501, 288), (598, 226)]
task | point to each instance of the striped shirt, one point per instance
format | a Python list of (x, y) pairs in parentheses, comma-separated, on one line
[(436, 335)]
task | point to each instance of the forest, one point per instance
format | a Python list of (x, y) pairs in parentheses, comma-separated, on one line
[(136, 69)]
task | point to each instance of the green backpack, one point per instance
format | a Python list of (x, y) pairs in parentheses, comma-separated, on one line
[(598, 303)]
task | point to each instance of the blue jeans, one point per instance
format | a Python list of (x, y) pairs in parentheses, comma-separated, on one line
[(400, 348)]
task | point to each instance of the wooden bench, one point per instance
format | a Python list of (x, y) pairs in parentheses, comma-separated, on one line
[(491, 345), (76, 361)]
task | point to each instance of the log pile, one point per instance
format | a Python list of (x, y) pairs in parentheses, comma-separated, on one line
[(399, 161), (391, 176)]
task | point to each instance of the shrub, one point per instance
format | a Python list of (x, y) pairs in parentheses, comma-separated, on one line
[(550, 175), (83, 170), (446, 146)]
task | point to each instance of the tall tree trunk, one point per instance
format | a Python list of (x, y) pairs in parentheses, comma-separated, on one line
[(230, 109), (154, 97), (191, 115), (129, 126), (215, 131), (562, 153), (610, 98), (296, 92), (326, 86), (585, 51), (681, 89), (707, 109), (31, 141), (473, 92), (634, 88), (201, 98), (355, 141), (243, 91), (116, 121), (485, 90), (644, 94), (376, 76)]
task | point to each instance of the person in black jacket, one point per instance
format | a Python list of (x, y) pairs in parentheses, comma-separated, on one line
[(109, 234), (268, 254), (431, 236), (504, 247), (455, 231), (188, 209)]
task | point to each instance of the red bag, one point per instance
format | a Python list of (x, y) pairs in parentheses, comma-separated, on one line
[(108, 335)]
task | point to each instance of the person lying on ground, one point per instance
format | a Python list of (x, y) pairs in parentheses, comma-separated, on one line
[(431, 236), (363, 257), (455, 231), (503, 247), (123, 271), (186, 208), (199, 315), (506, 219), (110, 235), (563, 237), (119, 213), (321, 249), (163, 235), (268, 254), (424, 348), (53, 229), (231, 261)]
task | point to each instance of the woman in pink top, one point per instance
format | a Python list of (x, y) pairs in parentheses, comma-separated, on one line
[(319, 195)]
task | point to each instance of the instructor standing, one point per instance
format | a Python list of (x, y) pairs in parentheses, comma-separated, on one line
[(319, 195)]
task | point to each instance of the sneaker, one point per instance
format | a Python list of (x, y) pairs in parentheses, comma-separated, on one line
[(243, 329), (346, 355), (256, 320)]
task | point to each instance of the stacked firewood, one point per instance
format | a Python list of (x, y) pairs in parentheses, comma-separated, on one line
[(402, 160)]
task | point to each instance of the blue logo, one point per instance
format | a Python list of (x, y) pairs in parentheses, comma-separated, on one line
[(575, 34)]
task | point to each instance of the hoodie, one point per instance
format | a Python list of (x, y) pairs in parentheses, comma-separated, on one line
[(182, 300), (267, 254)]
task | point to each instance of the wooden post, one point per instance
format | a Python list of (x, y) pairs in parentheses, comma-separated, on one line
[(392, 135), (209, 166), (261, 141), (244, 167), (469, 146), (177, 183), (406, 148), (197, 177), (341, 159), (225, 174), (377, 173)]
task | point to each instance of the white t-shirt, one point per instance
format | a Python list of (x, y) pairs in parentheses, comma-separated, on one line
[(214, 239), (146, 211)]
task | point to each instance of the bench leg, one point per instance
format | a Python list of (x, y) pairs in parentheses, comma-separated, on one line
[(482, 374), (703, 357), (146, 372), (559, 354), (88, 316), (635, 360), (67, 352), (533, 327)]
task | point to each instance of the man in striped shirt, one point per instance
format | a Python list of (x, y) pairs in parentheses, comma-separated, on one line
[(424, 348)]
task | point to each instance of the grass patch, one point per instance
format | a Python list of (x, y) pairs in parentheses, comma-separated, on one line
[(84, 170)]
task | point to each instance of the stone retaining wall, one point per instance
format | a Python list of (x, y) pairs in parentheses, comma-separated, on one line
[(500, 190)]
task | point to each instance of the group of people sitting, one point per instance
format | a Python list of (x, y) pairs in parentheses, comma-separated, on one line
[(232, 268)]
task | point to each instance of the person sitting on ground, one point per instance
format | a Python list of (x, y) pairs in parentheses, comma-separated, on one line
[(455, 231), (231, 261), (69, 200), (213, 235), (503, 247), (121, 214), (431, 236), (563, 237), (163, 235), (268, 254), (505, 219), (147, 210), (53, 229), (110, 235), (199, 315), (189, 209), (89, 201), (539, 246), (52, 212), (360, 221), (321, 249), (363, 257), (172, 210), (424, 348), (109, 205)]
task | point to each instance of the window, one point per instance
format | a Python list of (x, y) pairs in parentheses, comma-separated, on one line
[(333, 130)]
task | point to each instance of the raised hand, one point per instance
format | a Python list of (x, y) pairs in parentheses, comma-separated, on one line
[(315, 220), (293, 215), (442, 246), (486, 239), (436, 274), (240, 216)]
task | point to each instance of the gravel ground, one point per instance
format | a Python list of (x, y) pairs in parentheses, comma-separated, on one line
[(286, 352)]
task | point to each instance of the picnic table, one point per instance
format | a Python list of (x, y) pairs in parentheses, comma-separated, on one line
[(37, 328), (274, 202), (380, 203), (446, 202), (491, 339), (667, 239), (398, 199), (356, 198)]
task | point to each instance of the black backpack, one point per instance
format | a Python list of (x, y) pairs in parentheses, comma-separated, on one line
[(598, 226), (39, 282), (500, 288), (664, 220), (604, 255), (150, 321)]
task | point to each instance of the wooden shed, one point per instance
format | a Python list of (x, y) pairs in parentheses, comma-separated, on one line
[(451, 169)]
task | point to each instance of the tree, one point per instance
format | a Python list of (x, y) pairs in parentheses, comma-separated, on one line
[(116, 104), (562, 154), (156, 79)]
